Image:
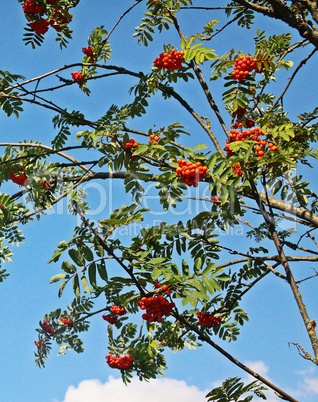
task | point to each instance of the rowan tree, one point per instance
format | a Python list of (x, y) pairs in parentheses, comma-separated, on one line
[(175, 283)]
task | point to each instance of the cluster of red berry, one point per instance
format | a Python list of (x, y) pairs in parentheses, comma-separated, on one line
[(132, 143), (47, 328), (208, 319), (110, 318), (156, 307), (20, 179), (243, 66), (171, 61), (40, 26), (237, 169), (31, 7), (120, 362), (60, 19), (253, 135), (77, 76), (163, 288), (246, 122), (191, 173), (117, 310), (154, 138), (57, 20), (240, 111), (67, 322), (89, 52)]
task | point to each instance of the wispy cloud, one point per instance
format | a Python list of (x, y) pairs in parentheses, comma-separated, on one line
[(114, 390)]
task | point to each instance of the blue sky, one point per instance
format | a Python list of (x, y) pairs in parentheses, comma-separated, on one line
[(25, 296)]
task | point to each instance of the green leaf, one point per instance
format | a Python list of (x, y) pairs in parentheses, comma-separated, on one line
[(68, 267), (76, 286), (102, 270), (92, 270), (58, 277), (85, 284), (210, 267), (62, 287), (198, 262), (76, 257)]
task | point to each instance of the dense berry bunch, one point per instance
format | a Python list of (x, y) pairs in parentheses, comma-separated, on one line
[(237, 169), (156, 307), (40, 27), (110, 318), (120, 362), (243, 66), (47, 328), (154, 138), (171, 61), (89, 52), (20, 179), (117, 310), (60, 19), (32, 7), (208, 319), (77, 76), (254, 134), (67, 322), (132, 143), (240, 111), (191, 173)]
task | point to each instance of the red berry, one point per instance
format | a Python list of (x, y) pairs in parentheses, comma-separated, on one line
[(120, 362), (117, 310), (191, 173), (208, 319), (172, 61), (89, 52), (67, 322), (77, 76), (156, 307), (40, 27), (20, 179), (31, 7), (47, 328), (110, 318)]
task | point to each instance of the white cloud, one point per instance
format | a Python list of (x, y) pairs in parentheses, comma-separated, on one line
[(137, 391), (167, 389), (311, 385), (308, 384)]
